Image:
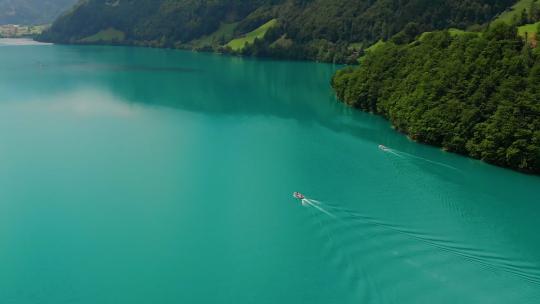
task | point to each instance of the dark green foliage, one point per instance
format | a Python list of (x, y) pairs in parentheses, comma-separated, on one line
[(530, 14), (322, 29), (472, 94), (534, 12), (407, 35), (155, 22), (309, 29)]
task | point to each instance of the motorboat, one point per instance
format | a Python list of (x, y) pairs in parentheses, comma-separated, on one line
[(298, 195)]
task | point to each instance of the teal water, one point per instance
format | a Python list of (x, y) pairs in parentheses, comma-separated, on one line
[(133, 175)]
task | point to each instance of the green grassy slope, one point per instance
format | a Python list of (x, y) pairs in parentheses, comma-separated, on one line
[(515, 11), (528, 28), (239, 43), (323, 30), (224, 33), (108, 35), (376, 46), (452, 31), (457, 32)]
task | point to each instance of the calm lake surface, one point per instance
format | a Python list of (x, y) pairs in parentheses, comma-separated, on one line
[(132, 175)]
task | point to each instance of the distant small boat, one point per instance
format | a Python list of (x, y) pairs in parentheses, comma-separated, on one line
[(298, 195), (384, 148)]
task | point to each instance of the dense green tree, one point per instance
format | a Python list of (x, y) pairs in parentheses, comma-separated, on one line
[(310, 29), (475, 94), (534, 11)]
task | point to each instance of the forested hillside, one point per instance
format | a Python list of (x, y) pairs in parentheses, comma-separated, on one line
[(32, 12), (473, 88), (472, 93), (328, 30)]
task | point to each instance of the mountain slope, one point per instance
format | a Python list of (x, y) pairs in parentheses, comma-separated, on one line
[(32, 12), (472, 93), (152, 21), (304, 29)]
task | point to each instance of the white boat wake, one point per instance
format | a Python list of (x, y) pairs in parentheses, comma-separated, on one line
[(529, 273), (316, 205), (401, 154)]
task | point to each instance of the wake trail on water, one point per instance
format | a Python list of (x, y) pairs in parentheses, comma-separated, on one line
[(316, 205), (359, 279), (393, 152), (529, 273), (404, 155)]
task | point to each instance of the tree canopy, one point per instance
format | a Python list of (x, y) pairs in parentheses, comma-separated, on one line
[(321, 30), (476, 94)]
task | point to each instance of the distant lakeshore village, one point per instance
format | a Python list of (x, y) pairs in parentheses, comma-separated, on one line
[(15, 30)]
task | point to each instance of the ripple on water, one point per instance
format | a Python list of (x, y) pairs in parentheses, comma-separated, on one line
[(383, 258)]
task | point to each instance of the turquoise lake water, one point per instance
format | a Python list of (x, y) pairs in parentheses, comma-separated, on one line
[(131, 175)]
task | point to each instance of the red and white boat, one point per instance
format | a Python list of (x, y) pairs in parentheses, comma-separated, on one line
[(298, 195)]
